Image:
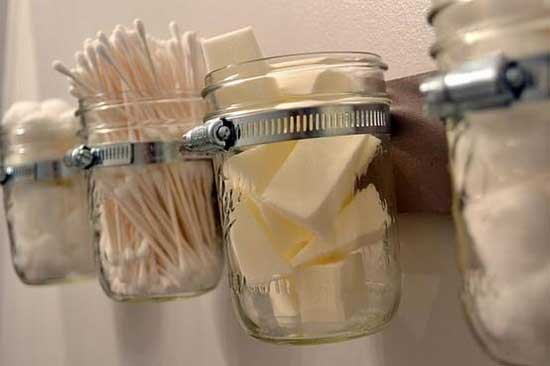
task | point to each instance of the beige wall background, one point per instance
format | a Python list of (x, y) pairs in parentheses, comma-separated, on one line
[(77, 325)]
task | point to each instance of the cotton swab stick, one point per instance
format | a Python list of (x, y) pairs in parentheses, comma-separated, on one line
[(159, 229), (141, 31), (102, 52)]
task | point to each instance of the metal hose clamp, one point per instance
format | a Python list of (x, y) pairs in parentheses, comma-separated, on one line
[(228, 133), (41, 171), (127, 154), (489, 83)]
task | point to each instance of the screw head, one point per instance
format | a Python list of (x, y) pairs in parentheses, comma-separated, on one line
[(81, 157), (516, 78), (223, 133)]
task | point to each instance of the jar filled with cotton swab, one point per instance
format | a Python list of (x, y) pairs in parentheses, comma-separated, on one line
[(45, 200), (155, 216)]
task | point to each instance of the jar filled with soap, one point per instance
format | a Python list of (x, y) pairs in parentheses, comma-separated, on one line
[(155, 218), (494, 58), (306, 194), (45, 201)]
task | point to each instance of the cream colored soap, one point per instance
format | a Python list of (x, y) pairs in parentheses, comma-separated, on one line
[(231, 48), (253, 169), (360, 223), (332, 292), (252, 247), (288, 237), (313, 183)]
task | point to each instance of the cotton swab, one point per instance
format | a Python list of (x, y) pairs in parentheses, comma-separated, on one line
[(141, 31), (59, 67), (159, 230), (102, 52)]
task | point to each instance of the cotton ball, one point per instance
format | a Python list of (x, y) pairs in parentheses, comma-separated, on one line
[(54, 107), (509, 151), (510, 229), (42, 259), (516, 320), (19, 110)]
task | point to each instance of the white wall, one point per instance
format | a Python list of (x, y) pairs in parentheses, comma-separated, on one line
[(76, 325)]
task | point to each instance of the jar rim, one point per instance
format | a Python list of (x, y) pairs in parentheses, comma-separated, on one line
[(298, 55), (280, 63)]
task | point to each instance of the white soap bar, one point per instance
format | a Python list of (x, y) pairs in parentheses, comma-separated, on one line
[(252, 170), (288, 237), (252, 247), (332, 292), (256, 85), (313, 183), (231, 48), (360, 223)]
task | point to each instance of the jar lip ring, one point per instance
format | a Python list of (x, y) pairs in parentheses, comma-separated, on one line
[(376, 59), (103, 100)]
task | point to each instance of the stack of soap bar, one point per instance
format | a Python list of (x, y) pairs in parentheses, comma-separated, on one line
[(252, 170), (361, 222), (332, 292), (315, 180), (234, 48), (253, 249), (231, 48)]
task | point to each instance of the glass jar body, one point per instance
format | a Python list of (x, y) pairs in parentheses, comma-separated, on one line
[(48, 224), (157, 232), (500, 165), (312, 251)]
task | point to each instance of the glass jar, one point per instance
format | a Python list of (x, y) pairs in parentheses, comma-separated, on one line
[(45, 201), (500, 164), (309, 223), (156, 222)]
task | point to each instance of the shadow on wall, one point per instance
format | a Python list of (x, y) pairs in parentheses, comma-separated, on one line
[(98, 331), (138, 333)]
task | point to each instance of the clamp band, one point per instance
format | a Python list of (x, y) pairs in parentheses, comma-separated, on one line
[(226, 133)]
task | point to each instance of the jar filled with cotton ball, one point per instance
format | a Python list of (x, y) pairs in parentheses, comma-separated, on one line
[(45, 200), (494, 58), (306, 192)]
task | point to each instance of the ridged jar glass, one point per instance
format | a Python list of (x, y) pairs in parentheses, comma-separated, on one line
[(157, 231), (48, 225), (500, 164), (310, 224)]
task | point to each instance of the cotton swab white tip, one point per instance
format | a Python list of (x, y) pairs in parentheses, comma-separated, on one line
[(140, 28), (59, 67), (174, 30), (81, 60), (101, 50), (103, 39)]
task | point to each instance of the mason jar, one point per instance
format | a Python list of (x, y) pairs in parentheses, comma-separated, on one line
[(493, 91), (45, 200), (306, 192), (156, 223)]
